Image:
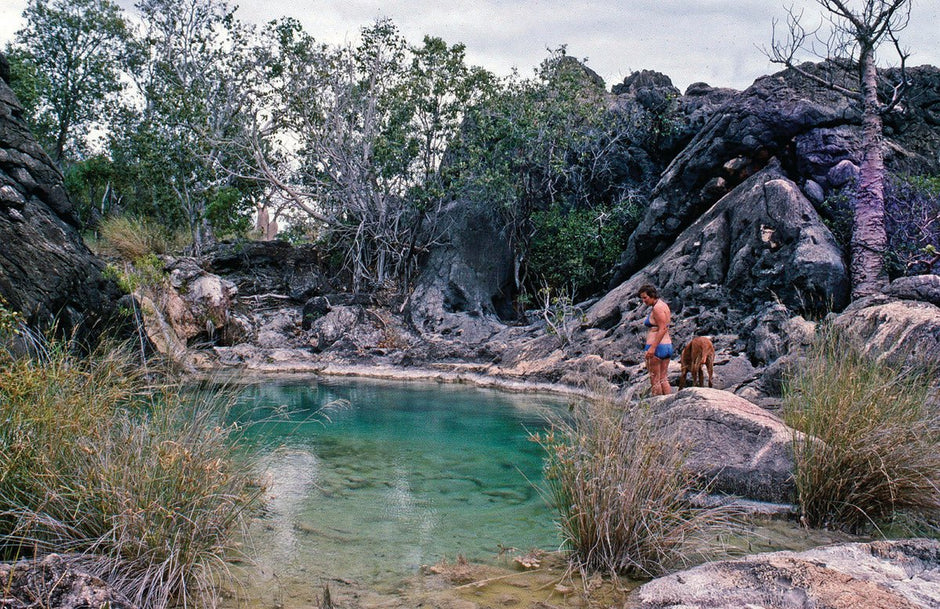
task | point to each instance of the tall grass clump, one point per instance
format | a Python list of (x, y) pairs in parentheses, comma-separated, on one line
[(872, 445), (139, 479), (134, 238), (622, 492)]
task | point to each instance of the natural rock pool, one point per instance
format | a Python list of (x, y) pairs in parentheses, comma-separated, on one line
[(368, 481)]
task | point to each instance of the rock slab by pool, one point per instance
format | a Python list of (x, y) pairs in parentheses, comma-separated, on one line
[(878, 575)]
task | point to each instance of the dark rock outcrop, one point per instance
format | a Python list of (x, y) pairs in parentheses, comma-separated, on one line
[(46, 271), (763, 242), (813, 130), (55, 581), (469, 275), (260, 268)]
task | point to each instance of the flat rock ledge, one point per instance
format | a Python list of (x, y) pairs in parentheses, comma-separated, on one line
[(902, 574), (295, 363)]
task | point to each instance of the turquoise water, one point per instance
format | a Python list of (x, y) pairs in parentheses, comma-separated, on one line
[(367, 481)]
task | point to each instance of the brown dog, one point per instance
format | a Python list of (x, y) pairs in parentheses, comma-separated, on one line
[(700, 351)]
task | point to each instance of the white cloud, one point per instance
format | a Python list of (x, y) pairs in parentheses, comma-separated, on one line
[(715, 41)]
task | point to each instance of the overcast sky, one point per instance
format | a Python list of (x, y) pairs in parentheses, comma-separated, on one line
[(715, 41)]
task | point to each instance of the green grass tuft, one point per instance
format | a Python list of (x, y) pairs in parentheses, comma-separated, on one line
[(623, 493), (133, 238), (142, 479), (872, 449)]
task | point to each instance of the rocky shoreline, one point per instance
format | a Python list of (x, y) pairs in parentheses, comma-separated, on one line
[(735, 235)]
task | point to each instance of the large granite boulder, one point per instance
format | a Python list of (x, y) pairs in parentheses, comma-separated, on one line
[(925, 288), (784, 116), (735, 446), (198, 304), (46, 271), (900, 331), (763, 242), (902, 574)]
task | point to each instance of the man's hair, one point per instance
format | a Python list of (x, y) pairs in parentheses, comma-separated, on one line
[(648, 289)]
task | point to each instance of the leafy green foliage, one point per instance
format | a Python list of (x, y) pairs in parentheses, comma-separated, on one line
[(68, 57), (28, 83), (543, 153), (193, 67), (576, 250), (372, 123), (837, 215), (146, 273), (368, 140), (91, 184), (229, 210), (10, 320)]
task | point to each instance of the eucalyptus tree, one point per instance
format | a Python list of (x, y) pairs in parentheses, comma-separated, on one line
[(538, 147), (856, 29), (67, 69), (352, 136), (192, 70)]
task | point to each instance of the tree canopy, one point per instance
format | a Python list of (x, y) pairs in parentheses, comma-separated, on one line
[(66, 64)]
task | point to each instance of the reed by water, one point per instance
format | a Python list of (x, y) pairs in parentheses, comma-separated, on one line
[(125, 472)]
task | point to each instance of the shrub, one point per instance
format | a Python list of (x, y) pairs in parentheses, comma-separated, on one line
[(573, 250), (141, 479), (912, 209), (838, 214), (10, 321), (872, 447), (133, 238), (622, 492), (562, 317), (912, 221), (146, 274)]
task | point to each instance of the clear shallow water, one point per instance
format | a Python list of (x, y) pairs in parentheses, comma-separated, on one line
[(370, 480)]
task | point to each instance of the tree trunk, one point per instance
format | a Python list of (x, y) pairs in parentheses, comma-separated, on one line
[(869, 240)]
